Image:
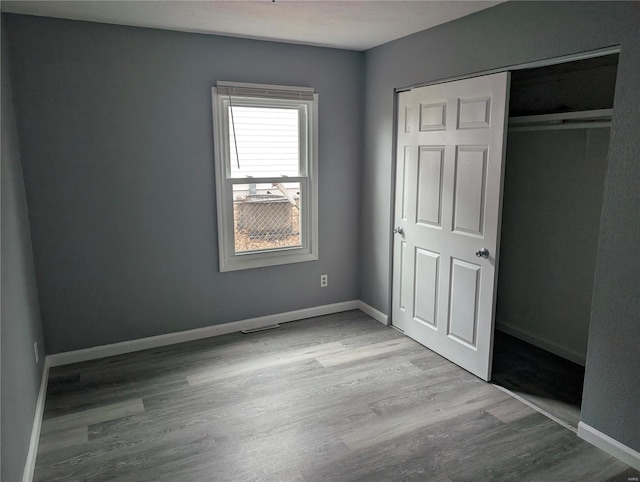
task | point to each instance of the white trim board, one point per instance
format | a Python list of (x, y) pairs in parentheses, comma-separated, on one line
[(30, 463), (609, 445), (541, 342), (199, 333), (373, 313)]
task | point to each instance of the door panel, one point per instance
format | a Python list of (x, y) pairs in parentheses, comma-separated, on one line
[(468, 200), (429, 179), (463, 316), (403, 271), (448, 190), (426, 286), (474, 113), (402, 174), (433, 116)]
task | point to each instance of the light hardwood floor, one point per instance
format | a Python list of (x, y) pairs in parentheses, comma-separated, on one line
[(333, 398)]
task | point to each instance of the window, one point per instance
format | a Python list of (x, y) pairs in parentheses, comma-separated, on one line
[(265, 140)]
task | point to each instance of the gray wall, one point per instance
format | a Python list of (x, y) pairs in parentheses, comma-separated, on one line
[(550, 221), (116, 129), (509, 34), (20, 311)]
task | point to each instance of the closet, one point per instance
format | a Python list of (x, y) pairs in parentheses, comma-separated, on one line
[(556, 160)]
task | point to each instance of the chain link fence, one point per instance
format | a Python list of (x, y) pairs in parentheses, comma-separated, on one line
[(266, 221)]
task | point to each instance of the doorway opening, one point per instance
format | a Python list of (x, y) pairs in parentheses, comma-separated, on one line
[(555, 166)]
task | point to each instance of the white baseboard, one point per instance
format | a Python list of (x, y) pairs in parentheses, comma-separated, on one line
[(373, 313), (541, 342), (198, 333), (30, 464), (611, 446)]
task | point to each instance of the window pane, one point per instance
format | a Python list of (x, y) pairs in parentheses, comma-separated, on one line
[(265, 140), (266, 216)]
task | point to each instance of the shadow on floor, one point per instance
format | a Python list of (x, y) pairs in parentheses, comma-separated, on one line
[(542, 378)]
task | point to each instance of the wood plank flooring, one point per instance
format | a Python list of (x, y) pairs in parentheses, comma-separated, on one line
[(542, 378), (334, 398)]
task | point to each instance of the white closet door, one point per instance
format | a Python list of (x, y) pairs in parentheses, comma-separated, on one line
[(449, 174)]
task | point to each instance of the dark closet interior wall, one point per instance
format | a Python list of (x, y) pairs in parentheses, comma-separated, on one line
[(550, 222), (554, 182), (568, 87)]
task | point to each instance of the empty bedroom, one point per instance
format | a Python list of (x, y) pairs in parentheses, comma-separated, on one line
[(308, 241)]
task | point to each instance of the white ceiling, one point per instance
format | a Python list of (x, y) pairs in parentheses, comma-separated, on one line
[(355, 24)]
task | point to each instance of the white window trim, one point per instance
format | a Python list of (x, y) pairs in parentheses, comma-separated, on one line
[(278, 95)]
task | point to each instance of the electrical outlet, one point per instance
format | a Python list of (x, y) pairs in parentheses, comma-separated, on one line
[(324, 280), (35, 350)]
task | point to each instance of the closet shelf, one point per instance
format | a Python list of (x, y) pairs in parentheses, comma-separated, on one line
[(567, 120)]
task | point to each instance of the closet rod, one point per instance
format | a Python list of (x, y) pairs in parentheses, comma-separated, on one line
[(561, 126), (596, 114), (566, 120)]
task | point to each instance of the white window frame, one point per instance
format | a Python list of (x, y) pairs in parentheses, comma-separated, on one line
[(260, 95)]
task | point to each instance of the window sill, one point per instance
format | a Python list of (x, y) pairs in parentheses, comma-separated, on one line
[(263, 260)]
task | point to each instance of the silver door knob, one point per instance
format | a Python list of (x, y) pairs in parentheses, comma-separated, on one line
[(482, 253), (398, 230)]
